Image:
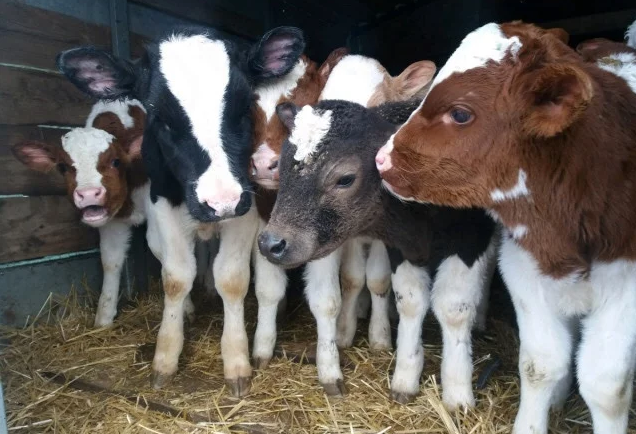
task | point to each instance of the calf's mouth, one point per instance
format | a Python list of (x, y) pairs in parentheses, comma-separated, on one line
[(94, 214)]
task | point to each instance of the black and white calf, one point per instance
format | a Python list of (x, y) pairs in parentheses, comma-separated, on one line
[(330, 191), (198, 90)]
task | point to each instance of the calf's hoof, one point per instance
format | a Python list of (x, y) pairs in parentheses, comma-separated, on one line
[(160, 379), (402, 397), (261, 363), (335, 389), (381, 346), (239, 387)]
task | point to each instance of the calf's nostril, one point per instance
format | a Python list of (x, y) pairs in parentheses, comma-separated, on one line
[(274, 165), (278, 248)]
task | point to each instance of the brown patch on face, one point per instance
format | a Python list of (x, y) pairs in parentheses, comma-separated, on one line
[(173, 288), (121, 165), (569, 125)]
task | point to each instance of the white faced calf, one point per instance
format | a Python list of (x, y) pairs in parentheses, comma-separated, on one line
[(101, 164)]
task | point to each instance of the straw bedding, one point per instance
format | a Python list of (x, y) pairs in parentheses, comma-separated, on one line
[(61, 375)]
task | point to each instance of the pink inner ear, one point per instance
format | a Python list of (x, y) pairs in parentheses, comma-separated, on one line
[(134, 150), (36, 156), (275, 52)]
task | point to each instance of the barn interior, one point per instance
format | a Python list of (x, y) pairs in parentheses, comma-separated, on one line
[(61, 375)]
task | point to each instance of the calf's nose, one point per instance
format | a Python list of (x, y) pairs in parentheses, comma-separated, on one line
[(89, 196), (223, 209), (265, 164), (272, 246), (383, 160)]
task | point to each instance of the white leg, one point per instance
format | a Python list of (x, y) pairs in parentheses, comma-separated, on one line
[(457, 293), (351, 282), (607, 356), (114, 239), (546, 340), (412, 294), (378, 273), (323, 294), (171, 232), (232, 276), (270, 285)]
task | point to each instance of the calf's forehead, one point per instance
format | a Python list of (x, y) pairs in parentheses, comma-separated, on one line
[(85, 145)]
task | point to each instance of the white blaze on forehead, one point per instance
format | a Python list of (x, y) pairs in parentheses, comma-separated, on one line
[(310, 127), (197, 72), (622, 65), (355, 78), (119, 108), (520, 189), (271, 92), (84, 146)]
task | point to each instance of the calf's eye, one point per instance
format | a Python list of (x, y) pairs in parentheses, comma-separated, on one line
[(115, 163), (460, 115), (345, 181)]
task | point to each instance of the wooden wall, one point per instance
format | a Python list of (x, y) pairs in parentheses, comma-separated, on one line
[(36, 102)]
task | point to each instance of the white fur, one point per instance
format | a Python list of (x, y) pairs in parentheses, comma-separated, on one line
[(487, 43), (411, 285), (270, 92), (119, 108), (270, 282), (84, 146), (519, 231), (355, 78), (630, 35), (323, 294), (197, 72), (520, 189), (547, 321), (310, 127), (378, 274), (622, 65), (456, 297), (352, 277)]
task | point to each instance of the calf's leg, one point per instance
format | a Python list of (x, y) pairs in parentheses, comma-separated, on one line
[(232, 277), (607, 355), (412, 296), (378, 275), (352, 282), (114, 240), (270, 284), (323, 294)]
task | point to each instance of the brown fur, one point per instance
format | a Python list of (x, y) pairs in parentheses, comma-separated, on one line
[(568, 124), (593, 50)]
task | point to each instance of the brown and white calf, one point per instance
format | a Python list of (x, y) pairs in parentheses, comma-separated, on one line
[(106, 181), (519, 124)]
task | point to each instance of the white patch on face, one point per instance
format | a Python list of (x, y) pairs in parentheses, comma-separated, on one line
[(310, 127), (354, 78), (519, 231), (271, 92), (84, 146), (520, 189), (197, 72), (630, 35), (119, 108), (622, 65)]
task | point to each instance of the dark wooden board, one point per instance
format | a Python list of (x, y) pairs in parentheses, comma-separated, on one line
[(32, 227), (33, 97), (15, 178), (32, 36)]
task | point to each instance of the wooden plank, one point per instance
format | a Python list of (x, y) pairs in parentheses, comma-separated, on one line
[(32, 36), (34, 97), (16, 178), (32, 227), (206, 12)]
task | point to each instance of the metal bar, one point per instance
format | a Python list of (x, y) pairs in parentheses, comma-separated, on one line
[(120, 36), (3, 414)]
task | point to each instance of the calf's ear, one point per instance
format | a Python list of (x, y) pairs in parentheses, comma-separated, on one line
[(560, 34), (36, 155), (276, 53), (332, 60), (555, 96), (96, 72), (414, 79), (287, 113)]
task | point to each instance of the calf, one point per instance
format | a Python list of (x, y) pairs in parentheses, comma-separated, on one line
[(331, 191), (198, 90), (106, 181), (517, 123)]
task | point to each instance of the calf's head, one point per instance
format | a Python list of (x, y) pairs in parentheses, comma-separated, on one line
[(301, 86), (503, 101), (95, 161), (198, 89), (329, 187)]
